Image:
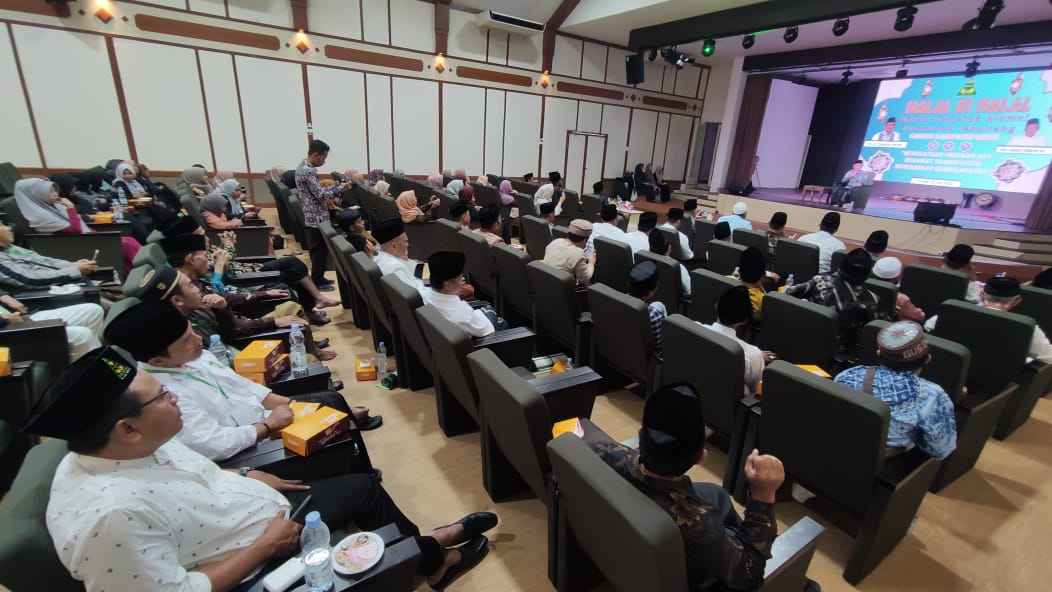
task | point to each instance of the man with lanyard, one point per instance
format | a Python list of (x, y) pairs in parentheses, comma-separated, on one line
[(316, 202), (223, 412)]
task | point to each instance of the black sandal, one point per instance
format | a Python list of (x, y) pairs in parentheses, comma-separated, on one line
[(471, 554), (371, 422), (475, 525)]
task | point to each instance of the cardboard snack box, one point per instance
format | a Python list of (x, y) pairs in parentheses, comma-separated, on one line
[(5, 361), (258, 356), (301, 409), (364, 369), (274, 372), (313, 431)]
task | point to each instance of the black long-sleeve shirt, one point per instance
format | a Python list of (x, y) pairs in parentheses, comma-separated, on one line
[(722, 551)]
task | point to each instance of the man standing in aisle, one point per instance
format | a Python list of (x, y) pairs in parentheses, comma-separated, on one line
[(316, 201)]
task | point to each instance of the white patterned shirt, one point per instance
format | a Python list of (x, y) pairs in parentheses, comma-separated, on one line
[(403, 269), (218, 405), (146, 524)]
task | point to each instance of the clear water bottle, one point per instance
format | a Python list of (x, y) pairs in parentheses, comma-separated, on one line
[(297, 352), (317, 554), (218, 349), (118, 211), (381, 361), (789, 281)]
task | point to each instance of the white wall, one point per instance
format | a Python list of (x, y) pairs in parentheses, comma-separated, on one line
[(415, 22), (567, 57), (522, 127), (784, 134), (615, 126), (726, 112), (415, 126), (224, 115), (464, 112), (641, 139), (18, 145), (378, 95), (493, 150), (342, 18), (272, 12), (275, 117), (337, 103), (560, 115), (375, 25)]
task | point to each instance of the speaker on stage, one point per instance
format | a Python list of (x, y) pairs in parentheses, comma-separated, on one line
[(634, 69), (745, 191), (934, 213)]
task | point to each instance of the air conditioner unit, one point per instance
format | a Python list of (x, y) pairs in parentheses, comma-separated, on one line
[(488, 19)]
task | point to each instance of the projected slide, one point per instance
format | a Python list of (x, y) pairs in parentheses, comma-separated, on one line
[(992, 132)]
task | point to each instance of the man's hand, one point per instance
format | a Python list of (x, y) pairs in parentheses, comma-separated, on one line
[(65, 202), (12, 318), (276, 293), (10, 302), (214, 301), (222, 257), (769, 356), (87, 266), (280, 417), (765, 475), (281, 538), (277, 482), (288, 321)]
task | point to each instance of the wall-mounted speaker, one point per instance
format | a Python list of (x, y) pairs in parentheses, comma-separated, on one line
[(634, 69)]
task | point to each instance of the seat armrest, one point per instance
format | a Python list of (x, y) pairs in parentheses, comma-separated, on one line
[(594, 434), (513, 346), (282, 334), (792, 551), (900, 467), (552, 384), (254, 222), (257, 277), (750, 401), (103, 274), (317, 379), (38, 300), (570, 393), (974, 399), (256, 259)]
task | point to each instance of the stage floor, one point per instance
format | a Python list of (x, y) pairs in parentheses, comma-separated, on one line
[(898, 210)]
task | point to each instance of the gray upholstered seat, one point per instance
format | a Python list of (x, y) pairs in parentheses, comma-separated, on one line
[(724, 256), (796, 258), (516, 300), (928, 287), (799, 331), (622, 342), (404, 300), (747, 237), (613, 261), (559, 317), (706, 287), (479, 265), (538, 234), (949, 363), (670, 281)]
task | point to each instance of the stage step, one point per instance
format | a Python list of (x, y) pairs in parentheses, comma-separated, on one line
[(1023, 246), (1014, 255)]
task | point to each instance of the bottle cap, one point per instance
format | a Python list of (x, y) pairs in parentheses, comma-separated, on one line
[(312, 519), (215, 340)]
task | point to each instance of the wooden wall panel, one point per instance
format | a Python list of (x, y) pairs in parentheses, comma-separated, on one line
[(342, 18), (416, 126), (567, 60), (560, 115), (589, 117), (378, 103), (522, 128), (464, 114), (76, 112), (224, 115), (593, 61), (19, 145), (493, 153), (615, 126), (274, 112), (678, 146), (337, 106), (660, 138), (271, 12), (375, 27), (413, 25), (167, 120), (641, 137)]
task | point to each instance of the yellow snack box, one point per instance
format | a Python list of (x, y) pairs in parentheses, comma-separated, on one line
[(300, 409), (311, 432), (567, 425), (814, 370), (258, 356), (364, 368), (5, 361)]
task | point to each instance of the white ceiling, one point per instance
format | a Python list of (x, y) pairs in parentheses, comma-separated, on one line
[(534, 10), (611, 20)]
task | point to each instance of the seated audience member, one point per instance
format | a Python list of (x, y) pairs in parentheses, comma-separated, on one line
[(1004, 293), (126, 184), (546, 193), (639, 239), (288, 178), (608, 228), (453, 187), (675, 222), (83, 321), (447, 285), (922, 413), (658, 244), (507, 195), (959, 258), (776, 231), (47, 213), (383, 188), (223, 412), (825, 241), (752, 269), (642, 284), (722, 231), (466, 195), (482, 180), (193, 182), (458, 212), (736, 219), (733, 314), (846, 292), (690, 213), (231, 191), (213, 210), (1042, 280), (876, 244), (163, 517), (352, 224), (66, 187), (889, 269), (393, 257), (547, 212), (410, 211), (722, 550), (568, 255), (489, 225), (374, 177), (23, 269), (435, 182)]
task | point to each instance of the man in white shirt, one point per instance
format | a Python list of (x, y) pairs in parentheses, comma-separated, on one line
[(447, 282), (132, 509), (1030, 135), (223, 412), (659, 245), (734, 310), (607, 229), (737, 218), (675, 222), (888, 134), (639, 239), (393, 258), (826, 242)]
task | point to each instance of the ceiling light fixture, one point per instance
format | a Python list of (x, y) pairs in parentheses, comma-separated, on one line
[(987, 15), (904, 18), (841, 26), (791, 34), (748, 41), (708, 47)]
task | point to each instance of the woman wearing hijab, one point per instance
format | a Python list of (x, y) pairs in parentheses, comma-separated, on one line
[(383, 188), (48, 213), (213, 210), (193, 182), (66, 186), (126, 184), (230, 189), (410, 211), (221, 176), (375, 176), (507, 195), (435, 182), (454, 187)]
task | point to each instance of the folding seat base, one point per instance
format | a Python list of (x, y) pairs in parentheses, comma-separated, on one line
[(453, 418), (977, 417), (1035, 381), (499, 476)]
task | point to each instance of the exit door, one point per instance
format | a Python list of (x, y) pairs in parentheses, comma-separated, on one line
[(585, 160)]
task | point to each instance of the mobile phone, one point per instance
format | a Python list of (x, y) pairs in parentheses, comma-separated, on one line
[(95, 255)]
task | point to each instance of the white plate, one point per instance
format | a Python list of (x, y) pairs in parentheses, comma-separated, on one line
[(357, 553), (64, 290)]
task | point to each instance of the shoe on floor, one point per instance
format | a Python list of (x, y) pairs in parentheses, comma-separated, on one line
[(475, 525), (471, 554), (322, 343), (317, 318), (327, 287)]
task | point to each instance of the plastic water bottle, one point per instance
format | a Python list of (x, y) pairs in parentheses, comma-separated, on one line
[(789, 281), (381, 362), (118, 211), (218, 349), (297, 352), (317, 554)]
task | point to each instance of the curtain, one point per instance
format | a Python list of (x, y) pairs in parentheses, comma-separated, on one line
[(838, 129), (1040, 218), (747, 132)]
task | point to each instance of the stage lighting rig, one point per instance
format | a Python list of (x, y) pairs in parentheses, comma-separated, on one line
[(904, 18), (971, 69), (845, 78), (841, 26), (708, 47), (748, 41), (987, 15), (902, 73), (791, 33)]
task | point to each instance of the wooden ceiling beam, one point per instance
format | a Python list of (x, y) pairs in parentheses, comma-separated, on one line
[(551, 27)]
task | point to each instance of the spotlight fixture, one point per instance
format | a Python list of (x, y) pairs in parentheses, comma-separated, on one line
[(708, 47), (791, 34), (652, 55), (669, 55), (904, 18), (971, 68), (841, 26), (748, 41), (845, 78), (987, 15), (902, 73)]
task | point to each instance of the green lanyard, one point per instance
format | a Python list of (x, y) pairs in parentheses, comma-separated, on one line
[(214, 385)]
